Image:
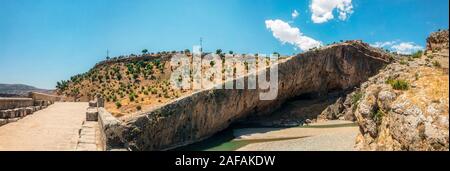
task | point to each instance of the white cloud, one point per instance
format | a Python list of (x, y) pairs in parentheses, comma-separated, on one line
[(383, 44), (292, 35), (295, 14), (406, 48), (322, 10)]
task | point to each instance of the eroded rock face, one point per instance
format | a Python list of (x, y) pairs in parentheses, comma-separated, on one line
[(413, 118), (202, 114), (438, 40), (342, 109)]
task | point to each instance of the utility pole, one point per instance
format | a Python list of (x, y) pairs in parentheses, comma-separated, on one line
[(201, 44), (107, 53)]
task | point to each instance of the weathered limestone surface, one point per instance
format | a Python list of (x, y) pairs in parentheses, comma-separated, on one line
[(416, 119), (438, 41), (204, 113), (88, 137), (109, 134), (92, 114)]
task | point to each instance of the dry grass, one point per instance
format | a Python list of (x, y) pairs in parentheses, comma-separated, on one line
[(431, 87)]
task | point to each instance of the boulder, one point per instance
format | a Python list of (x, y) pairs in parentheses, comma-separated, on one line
[(334, 111)]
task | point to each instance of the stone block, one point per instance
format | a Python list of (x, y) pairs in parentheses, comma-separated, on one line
[(93, 103), (22, 112), (92, 114), (6, 114), (15, 113), (3, 122), (2, 114), (11, 114), (29, 110), (13, 120), (100, 102)]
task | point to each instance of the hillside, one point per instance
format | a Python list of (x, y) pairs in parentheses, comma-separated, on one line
[(19, 90), (200, 115), (127, 84), (133, 83), (405, 106)]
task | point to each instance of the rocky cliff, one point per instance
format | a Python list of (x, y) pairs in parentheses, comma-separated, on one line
[(200, 115), (405, 106), (438, 41)]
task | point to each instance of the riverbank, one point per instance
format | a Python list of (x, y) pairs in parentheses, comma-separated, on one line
[(324, 136)]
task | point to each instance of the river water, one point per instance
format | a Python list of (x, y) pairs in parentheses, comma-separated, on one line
[(227, 141)]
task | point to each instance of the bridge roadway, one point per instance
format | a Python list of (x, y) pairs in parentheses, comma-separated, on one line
[(55, 128)]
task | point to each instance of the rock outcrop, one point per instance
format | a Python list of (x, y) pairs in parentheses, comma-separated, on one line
[(342, 109), (198, 116), (438, 41), (405, 106)]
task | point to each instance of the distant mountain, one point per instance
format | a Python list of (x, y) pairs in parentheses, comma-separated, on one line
[(19, 90)]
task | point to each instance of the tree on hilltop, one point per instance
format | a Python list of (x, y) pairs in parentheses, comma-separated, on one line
[(145, 51), (219, 51)]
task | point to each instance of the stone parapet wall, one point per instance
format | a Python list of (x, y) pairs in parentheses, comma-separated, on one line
[(13, 109), (11, 103), (13, 115), (45, 97), (108, 130)]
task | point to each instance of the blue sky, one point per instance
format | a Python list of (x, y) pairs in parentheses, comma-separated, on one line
[(43, 41)]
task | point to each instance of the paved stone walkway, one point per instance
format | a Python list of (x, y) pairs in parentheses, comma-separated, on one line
[(89, 137), (55, 128)]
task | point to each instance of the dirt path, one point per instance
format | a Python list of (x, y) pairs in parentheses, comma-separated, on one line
[(329, 136), (52, 129)]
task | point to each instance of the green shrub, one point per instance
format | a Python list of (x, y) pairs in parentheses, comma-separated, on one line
[(153, 90), (166, 95), (356, 98), (418, 54), (403, 62), (135, 76), (437, 64), (378, 116), (132, 96), (118, 105), (398, 84)]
